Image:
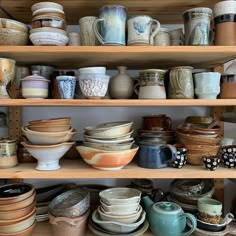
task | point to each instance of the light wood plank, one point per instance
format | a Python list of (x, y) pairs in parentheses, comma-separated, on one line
[(136, 57), (78, 169)]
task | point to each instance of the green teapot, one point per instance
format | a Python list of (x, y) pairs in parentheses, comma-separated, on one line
[(167, 218)]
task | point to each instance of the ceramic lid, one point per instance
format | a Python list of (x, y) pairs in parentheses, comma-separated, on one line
[(167, 208), (35, 76)]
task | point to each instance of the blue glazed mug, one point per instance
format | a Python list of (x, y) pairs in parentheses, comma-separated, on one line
[(156, 155), (66, 85), (113, 21)]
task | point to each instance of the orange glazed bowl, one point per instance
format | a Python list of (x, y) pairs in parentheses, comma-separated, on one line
[(107, 160)]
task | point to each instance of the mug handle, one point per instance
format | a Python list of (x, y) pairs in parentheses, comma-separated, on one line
[(96, 32), (173, 152), (193, 224), (155, 31), (135, 88)]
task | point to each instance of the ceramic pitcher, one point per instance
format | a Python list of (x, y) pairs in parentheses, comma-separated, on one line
[(142, 30), (113, 20)]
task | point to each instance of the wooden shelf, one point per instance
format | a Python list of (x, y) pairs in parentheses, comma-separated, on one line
[(115, 102), (78, 169), (168, 11), (135, 57)]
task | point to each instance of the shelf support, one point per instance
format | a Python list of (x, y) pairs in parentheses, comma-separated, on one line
[(14, 122)]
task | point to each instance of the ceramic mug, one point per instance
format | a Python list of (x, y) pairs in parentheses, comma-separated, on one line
[(141, 30), (162, 38), (157, 122), (66, 85), (197, 27), (74, 39), (113, 20)]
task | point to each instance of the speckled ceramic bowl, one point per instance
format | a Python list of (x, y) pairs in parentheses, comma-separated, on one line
[(13, 37)]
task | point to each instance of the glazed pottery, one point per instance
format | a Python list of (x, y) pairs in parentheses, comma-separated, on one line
[(13, 37), (209, 210), (48, 21), (71, 204), (8, 156), (162, 38), (181, 157), (92, 70), (52, 122), (48, 155), (121, 86), (228, 155), (181, 83), (197, 26), (41, 5), (109, 147), (74, 39), (107, 160), (87, 35), (75, 226), (177, 37), (225, 24), (157, 122), (108, 142), (13, 24), (167, 218), (48, 128), (7, 75), (43, 70), (228, 86), (207, 85), (66, 85), (141, 30), (123, 136), (155, 155), (112, 19), (211, 162)]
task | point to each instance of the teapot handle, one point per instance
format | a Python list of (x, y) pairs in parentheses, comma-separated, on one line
[(193, 224)]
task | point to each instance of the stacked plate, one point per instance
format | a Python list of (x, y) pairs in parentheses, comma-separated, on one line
[(48, 24), (119, 212), (48, 141), (112, 142), (17, 209)]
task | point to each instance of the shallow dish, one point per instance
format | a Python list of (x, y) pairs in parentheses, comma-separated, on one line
[(107, 142), (53, 121), (49, 128), (121, 195), (123, 136), (107, 160), (109, 147)]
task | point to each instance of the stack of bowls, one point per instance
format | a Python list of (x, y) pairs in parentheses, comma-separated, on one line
[(48, 141), (17, 209), (201, 136), (13, 32), (119, 212), (108, 146), (69, 211), (93, 82), (48, 24)]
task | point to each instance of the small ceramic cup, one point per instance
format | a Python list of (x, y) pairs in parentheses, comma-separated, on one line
[(210, 210), (66, 85), (181, 157), (211, 162), (74, 39), (228, 155)]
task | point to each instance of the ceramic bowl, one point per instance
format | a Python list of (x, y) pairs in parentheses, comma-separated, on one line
[(72, 203), (121, 195), (123, 136), (40, 5), (109, 147), (92, 70), (49, 128), (94, 86), (13, 193), (48, 155), (228, 155), (128, 219), (48, 133), (118, 227), (54, 121), (49, 22), (108, 142), (13, 37), (109, 129), (48, 30), (107, 160), (42, 208), (13, 24), (211, 162)]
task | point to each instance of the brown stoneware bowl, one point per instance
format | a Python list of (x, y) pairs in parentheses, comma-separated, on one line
[(54, 121), (49, 128)]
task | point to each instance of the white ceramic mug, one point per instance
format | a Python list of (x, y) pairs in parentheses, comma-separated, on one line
[(150, 92), (141, 30)]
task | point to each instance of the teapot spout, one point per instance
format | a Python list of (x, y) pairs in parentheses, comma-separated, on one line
[(228, 218), (147, 203)]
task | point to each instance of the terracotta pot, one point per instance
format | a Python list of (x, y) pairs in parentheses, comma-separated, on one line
[(157, 122)]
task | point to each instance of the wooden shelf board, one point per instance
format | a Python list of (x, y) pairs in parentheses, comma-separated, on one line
[(168, 11), (115, 102), (78, 169), (135, 57)]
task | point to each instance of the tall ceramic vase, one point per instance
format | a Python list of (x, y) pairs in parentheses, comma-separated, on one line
[(121, 86), (7, 74)]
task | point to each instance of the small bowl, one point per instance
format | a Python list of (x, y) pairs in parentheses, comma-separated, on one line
[(26, 129), (49, 128), (107, 160), (108, 142), (49, 22), (13, 37), (121, 195), (211, 162), (54, 121), (228, 155), (109, 147), (92, 70), (40, 5), (123, 136), (13, 24), (72, 203), (94, 86)]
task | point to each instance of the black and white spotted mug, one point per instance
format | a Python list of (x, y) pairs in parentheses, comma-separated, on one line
[(228, 155), (211, 162), (181, 157)]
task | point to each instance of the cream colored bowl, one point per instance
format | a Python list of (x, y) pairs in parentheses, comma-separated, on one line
[(110, 147), (49, 128), (54, 121)]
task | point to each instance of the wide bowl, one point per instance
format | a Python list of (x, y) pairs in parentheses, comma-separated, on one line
[(94, 86), (107, 160), (13, 193), (121, 195), (72, 203), (123, 136), (128, 219), (48, 155), (92, 70), (49, 128), (118, 227), (108, 142), (109, 147), (13, 24), (53, 121), (40, 5), (110, 129), (25, 128), (13, 37)]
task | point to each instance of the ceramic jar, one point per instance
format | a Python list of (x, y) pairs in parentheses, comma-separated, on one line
[(197, 26), (113, 21), (225, 23), (142, 30), (121, 86), (162, 38), (151, 84), (207, 85), (228, 86), (181, 83), (157, 122)]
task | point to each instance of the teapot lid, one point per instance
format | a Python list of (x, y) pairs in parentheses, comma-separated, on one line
[(35, 76), (167, 207)]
